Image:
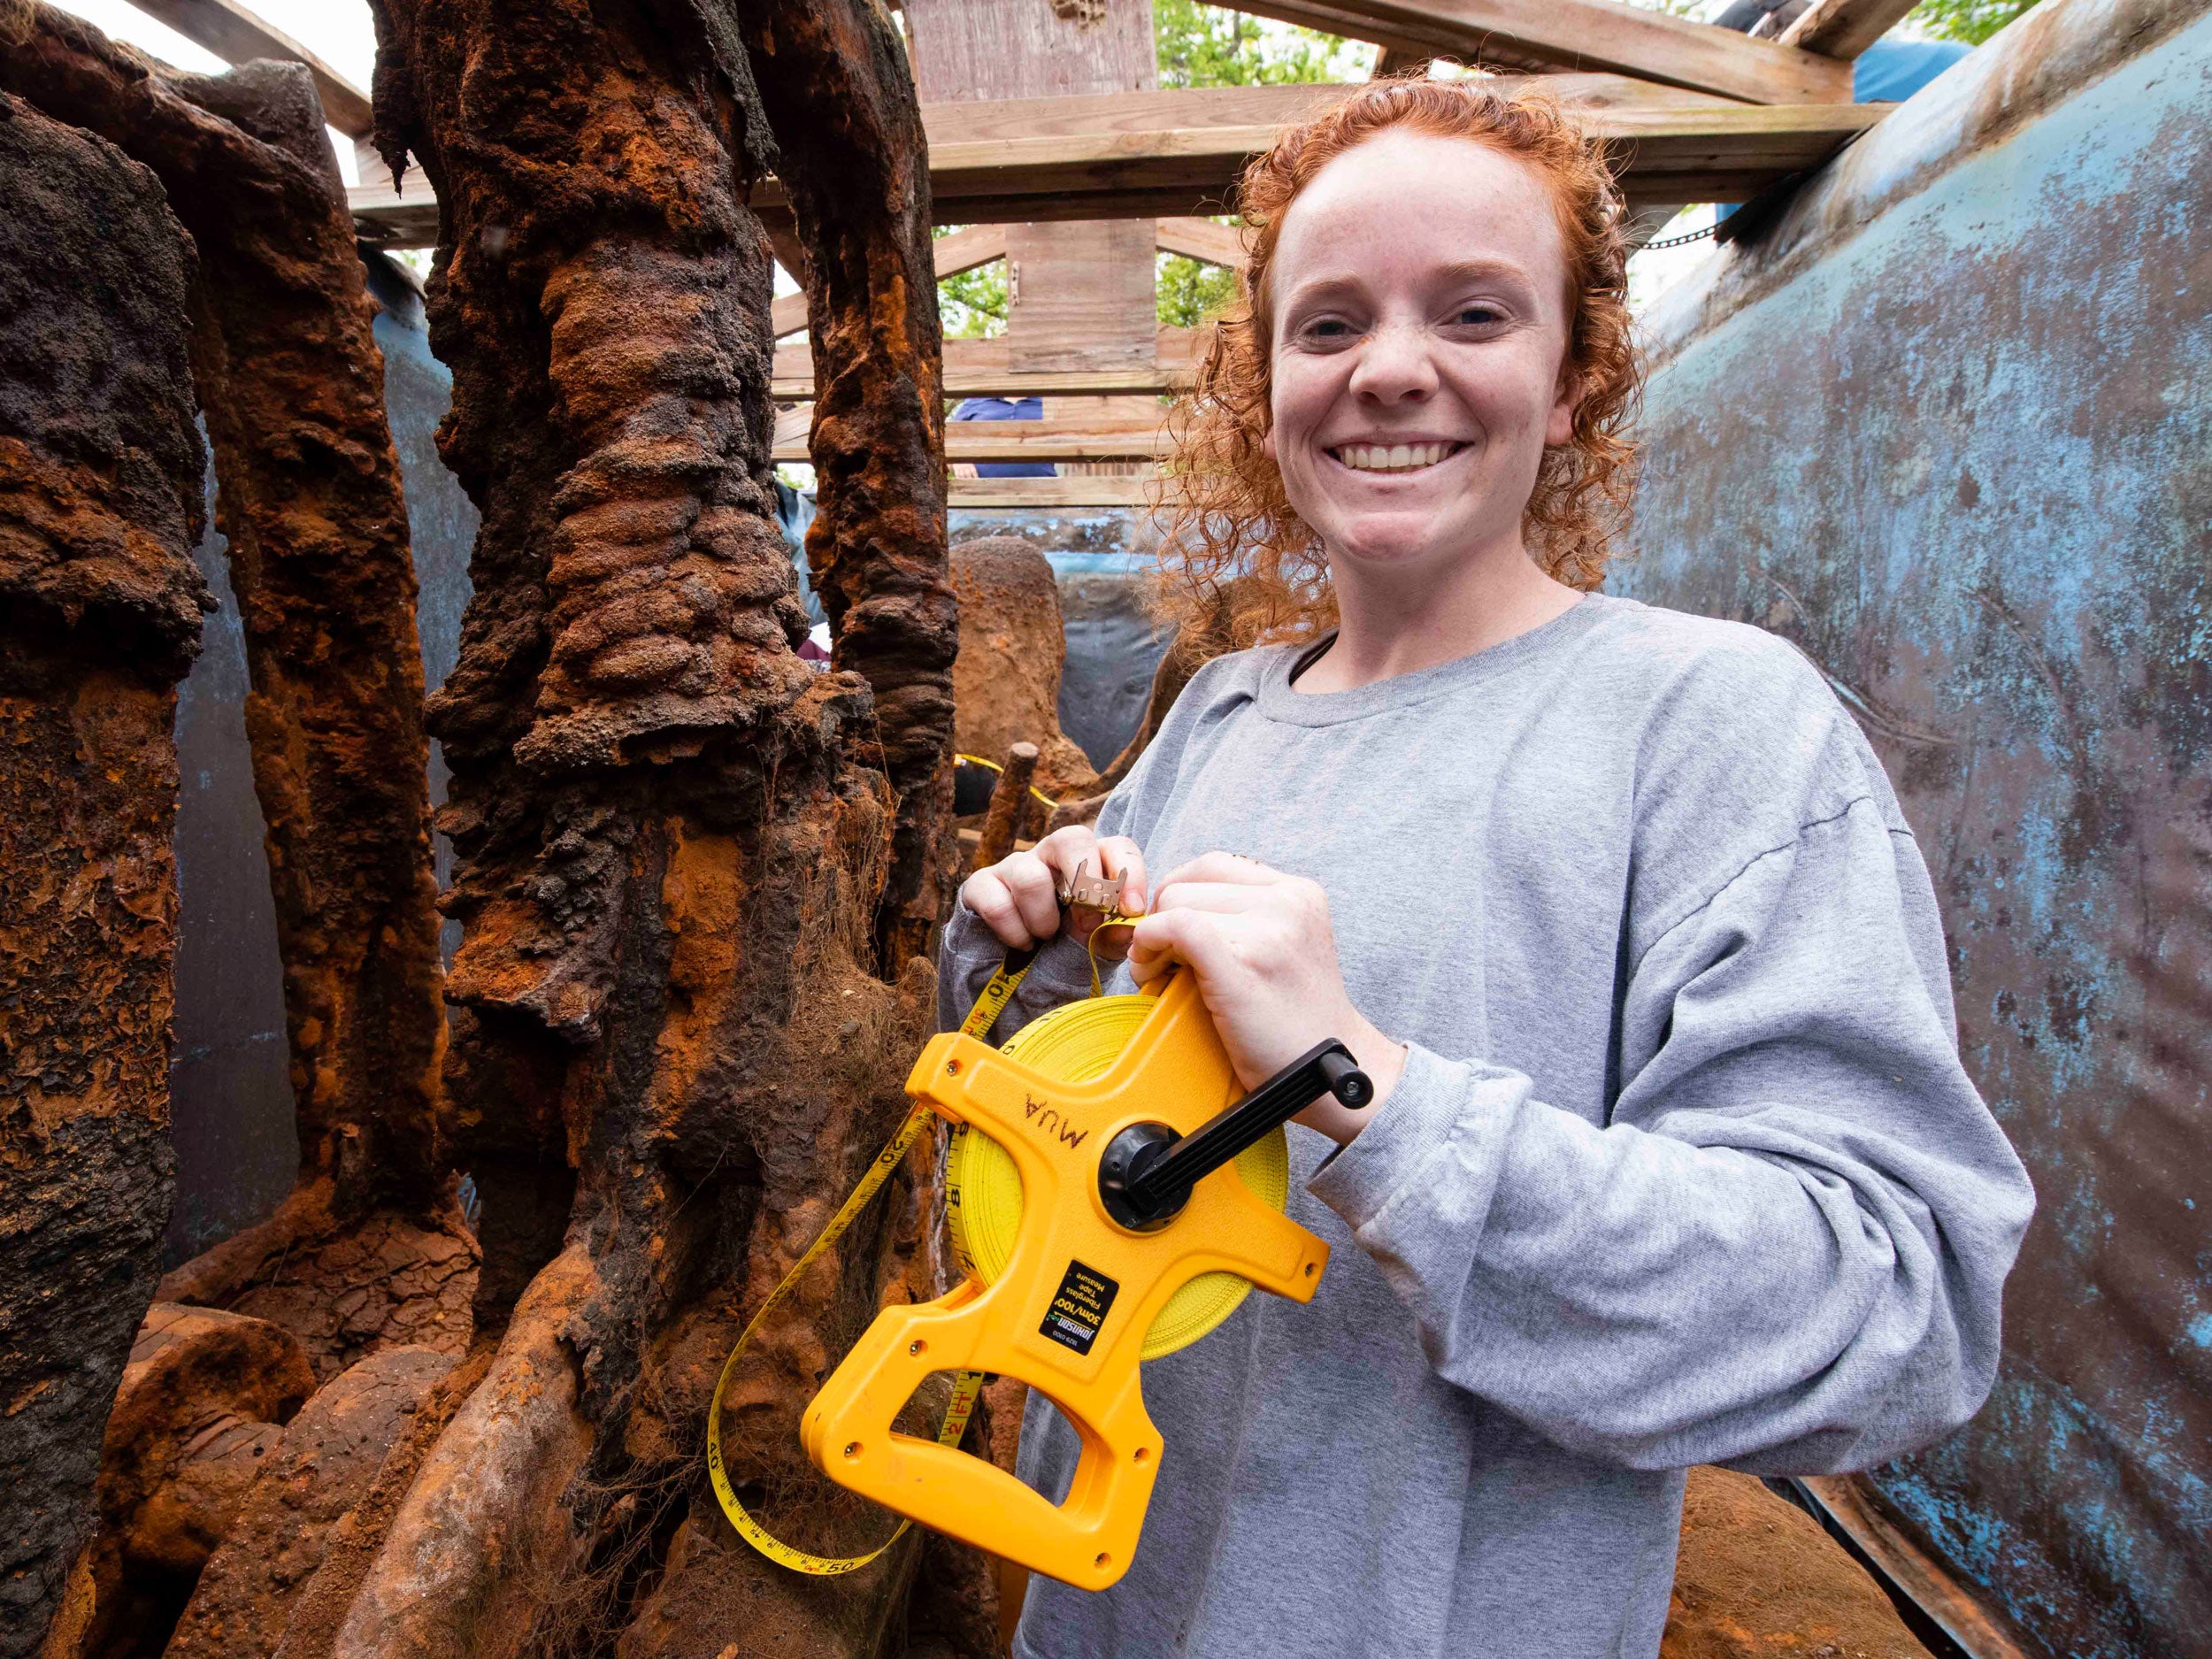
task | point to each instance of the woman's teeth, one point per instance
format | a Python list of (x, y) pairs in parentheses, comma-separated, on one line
[(1397, 458)]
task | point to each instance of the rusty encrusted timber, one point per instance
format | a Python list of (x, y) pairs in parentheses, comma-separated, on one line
[(669, 1052), (369, 1246), (1009, 806), (100, 608), (838, 95)]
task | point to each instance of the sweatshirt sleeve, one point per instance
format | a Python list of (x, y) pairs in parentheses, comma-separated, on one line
[(1785, 1251)]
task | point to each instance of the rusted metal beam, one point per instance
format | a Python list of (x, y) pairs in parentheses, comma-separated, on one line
[(672, 836), (308, 494), (1855, 1507), (1008, 810), (838, 95), (100, 603)]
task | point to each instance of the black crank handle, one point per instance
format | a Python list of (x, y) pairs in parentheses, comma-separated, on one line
[(1159, 1177)]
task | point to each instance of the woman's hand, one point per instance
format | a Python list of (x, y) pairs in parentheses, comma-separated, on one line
[(1265, 956), (1019, 897)]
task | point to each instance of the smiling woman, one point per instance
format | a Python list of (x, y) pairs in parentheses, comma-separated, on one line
[(1476, 172), (1671, 1158)]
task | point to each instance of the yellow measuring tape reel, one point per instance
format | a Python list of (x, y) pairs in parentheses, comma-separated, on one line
[(1127, 1200), (1100, 1224), (1077, 1043)]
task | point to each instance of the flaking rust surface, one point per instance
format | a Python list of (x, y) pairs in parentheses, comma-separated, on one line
[(196, 1420), (308, 494), (669, 1050), (315, 1478), (836, 87), (100, 610)]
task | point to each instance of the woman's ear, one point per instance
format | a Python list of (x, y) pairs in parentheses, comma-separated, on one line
[(1559, 428)]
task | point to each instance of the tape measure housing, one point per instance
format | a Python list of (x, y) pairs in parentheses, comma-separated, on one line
[(1076, 1042)]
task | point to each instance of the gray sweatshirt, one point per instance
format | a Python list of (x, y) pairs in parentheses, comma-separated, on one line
[(1683, 1168)]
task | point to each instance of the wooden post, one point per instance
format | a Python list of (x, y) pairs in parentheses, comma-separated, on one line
[(1080, 292), (1009, 801)]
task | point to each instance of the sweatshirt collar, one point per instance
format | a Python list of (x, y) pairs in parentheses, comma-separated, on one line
[(1279, 700)]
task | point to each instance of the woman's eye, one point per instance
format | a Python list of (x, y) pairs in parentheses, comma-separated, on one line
[(1329, 328), (1477, 316)]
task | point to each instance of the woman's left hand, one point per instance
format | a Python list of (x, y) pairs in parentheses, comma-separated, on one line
[(1261, 945)]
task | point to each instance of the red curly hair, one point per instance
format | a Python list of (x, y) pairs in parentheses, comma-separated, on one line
[(1238, 563)]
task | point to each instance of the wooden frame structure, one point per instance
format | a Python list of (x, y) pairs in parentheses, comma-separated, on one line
[(1697, 113)]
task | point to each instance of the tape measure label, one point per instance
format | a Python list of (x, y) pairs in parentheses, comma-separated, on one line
[(1079, 1307)]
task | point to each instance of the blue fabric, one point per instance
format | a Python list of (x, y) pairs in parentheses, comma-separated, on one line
[(1006, 409), (795, 510), (1891, 71)]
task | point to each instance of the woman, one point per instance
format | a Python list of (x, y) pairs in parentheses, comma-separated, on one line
[(1673, 1160)]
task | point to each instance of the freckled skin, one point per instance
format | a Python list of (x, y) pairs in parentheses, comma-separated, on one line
[(1419, 288)]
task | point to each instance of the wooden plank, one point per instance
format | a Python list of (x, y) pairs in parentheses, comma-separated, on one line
[(1842, 29), (1046, 494), (1579, 34), (963, 250), (1077, 293), (1672, 150), (1080, 293), (393, 219), (1741, 149), (973, 440), (1250, 106), (1014, 48), (1391, 62), (1203, 239), (984, 368), (1854, 1505), (234, 34)]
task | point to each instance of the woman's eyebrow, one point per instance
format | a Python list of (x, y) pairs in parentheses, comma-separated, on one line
[(1459, 273), (1482, 270), (1324, 287)]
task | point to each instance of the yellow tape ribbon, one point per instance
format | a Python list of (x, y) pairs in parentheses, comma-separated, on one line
[(966, 1384), (992, 766)]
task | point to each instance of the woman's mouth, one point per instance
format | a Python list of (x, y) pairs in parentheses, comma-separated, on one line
[(1393, 457)]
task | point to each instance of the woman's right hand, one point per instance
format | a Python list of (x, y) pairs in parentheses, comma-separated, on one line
[(1019, 897)]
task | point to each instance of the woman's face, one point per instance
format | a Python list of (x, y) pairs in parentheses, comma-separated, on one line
[(1419, 329)]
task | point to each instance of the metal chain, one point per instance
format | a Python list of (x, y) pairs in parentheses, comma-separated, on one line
[(1676, 242)]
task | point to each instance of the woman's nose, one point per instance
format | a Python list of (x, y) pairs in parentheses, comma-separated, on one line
[(1394, 365)]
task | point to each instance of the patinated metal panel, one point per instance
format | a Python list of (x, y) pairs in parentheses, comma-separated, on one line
[(1963, 458)]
